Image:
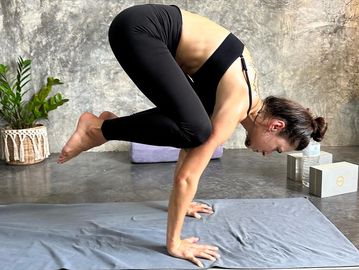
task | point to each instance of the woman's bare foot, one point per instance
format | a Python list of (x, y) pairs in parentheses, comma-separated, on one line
[(88, 134), (107, 115)]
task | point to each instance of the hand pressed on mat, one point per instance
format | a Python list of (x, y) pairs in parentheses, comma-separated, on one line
[(195, 208), (189, 249)]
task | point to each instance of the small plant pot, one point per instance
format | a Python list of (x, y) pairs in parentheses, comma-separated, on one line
[(24, 146)]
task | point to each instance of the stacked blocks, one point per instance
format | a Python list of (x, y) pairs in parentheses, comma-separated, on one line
[(327, 178), (294, 161)]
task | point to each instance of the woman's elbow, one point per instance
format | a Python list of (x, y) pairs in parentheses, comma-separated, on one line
[(184, 181), (181, 179)]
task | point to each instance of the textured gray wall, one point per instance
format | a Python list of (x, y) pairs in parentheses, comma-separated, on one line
[(306, 50)]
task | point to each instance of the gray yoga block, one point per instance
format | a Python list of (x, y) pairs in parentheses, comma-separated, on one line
[(144, 153)]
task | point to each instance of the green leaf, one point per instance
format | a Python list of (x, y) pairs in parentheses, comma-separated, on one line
[(37, 113), (3, 69), (53, 81), (25, 78), (46, 107)]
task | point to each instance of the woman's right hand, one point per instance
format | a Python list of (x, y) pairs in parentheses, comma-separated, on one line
[(189, 249)]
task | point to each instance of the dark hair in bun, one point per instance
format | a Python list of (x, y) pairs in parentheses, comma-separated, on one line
[(301, 126), (319, 128)]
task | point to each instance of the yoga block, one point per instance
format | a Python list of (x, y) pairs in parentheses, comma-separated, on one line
[(294, 161), (333, 179), (144, 153)]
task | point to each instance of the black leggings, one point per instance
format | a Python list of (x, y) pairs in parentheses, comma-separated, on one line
[(144, 40)]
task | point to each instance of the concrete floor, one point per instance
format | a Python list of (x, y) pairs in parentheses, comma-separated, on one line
[(110, 177)]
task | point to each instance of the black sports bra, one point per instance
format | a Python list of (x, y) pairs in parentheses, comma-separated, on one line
[(210, 73)]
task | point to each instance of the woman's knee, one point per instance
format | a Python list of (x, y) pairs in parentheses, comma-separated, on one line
[(200, 133), (205, 132), (121, 27)]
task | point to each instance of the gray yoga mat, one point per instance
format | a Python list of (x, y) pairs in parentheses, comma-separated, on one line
[(251, 233)]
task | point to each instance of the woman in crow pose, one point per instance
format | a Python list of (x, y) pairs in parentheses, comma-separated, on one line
[(195, 73)]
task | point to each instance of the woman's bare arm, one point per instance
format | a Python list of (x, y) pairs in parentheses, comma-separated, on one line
[(184, 189), (188, 172)]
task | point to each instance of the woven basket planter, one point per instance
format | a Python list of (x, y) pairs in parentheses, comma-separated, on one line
[(24, 146)]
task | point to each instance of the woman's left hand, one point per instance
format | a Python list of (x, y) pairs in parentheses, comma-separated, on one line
[(195, 208)]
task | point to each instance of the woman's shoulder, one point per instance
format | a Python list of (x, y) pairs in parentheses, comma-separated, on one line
[(233, 88)]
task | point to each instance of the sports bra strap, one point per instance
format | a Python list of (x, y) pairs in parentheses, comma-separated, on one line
[(244, 66)]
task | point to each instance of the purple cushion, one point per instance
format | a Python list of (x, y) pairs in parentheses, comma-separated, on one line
[(144, 153)]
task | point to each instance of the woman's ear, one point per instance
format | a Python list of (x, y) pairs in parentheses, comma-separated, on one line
[(276, 125)]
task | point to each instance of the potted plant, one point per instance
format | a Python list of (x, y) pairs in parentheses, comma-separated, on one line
[(24, 140)]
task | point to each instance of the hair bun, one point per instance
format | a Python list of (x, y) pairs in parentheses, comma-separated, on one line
[(319, 128)]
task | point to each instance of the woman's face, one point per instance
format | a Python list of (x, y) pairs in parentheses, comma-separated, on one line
[(264, 138)]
